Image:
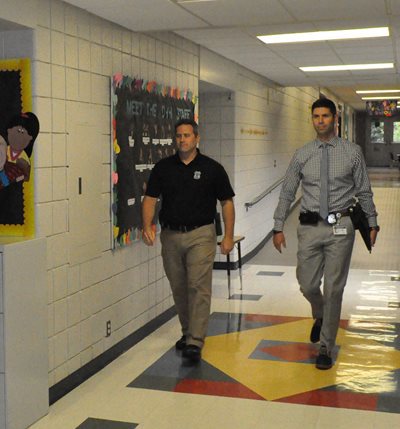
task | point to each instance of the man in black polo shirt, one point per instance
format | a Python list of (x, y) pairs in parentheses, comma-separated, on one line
[(190, 184)]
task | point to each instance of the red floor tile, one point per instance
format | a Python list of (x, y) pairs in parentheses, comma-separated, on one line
[(216, 388), (295, 352), (330, 398), (271, 319)]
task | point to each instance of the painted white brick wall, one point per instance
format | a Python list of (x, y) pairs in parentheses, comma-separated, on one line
[(284, 115)]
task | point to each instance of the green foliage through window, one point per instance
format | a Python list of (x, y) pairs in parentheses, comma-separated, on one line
[(377, 132)]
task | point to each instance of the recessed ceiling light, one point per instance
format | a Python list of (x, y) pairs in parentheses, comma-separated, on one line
[(396, 97), (378, 91), (314, 36), (348, 67)]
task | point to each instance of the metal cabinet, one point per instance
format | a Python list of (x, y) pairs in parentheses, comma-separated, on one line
[(23, 332)]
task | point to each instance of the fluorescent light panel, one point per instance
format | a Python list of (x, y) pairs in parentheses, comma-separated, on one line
[(314, 36), (396, 97), (348, 67), (378, 91)]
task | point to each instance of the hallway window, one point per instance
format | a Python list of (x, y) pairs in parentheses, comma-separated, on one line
[(377, 132), (396, 132)]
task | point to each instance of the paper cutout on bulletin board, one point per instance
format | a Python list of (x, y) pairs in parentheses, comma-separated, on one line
[(143, 118), (16, 196)]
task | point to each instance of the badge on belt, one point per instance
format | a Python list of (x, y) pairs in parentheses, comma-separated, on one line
[(334, 220)]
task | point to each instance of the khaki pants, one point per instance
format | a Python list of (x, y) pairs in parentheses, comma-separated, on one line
[(322, 254), (188, 262)]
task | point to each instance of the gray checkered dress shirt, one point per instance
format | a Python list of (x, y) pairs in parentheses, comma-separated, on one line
[(348, 178)]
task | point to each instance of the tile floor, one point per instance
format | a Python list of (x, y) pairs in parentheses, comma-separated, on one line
[(257, 368)]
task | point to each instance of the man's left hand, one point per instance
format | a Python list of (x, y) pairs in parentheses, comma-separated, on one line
[(226, 245), (372, 235)]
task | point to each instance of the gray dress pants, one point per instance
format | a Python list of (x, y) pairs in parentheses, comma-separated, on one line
[(188, 259), (323, 254)]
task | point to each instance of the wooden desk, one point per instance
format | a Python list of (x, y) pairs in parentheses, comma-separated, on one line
[(237, 239)]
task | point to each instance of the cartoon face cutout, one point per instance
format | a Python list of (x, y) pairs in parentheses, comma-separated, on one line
[(18, 138)]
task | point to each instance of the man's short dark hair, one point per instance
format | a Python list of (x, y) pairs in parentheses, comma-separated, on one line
[(324, 102), (191, 122)]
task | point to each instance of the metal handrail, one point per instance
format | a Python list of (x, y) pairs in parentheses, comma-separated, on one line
[(264, 194)]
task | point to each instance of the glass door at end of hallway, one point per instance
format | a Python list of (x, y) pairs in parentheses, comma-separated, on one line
[(384, 135), (385, 131)]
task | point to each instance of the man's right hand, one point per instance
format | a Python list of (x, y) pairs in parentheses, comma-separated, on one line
[(279, 241), (149, 236)]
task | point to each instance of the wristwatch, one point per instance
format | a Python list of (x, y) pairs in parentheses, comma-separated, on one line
[(274, 231), (375, 228)]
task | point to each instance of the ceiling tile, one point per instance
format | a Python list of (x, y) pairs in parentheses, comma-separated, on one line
[(295, 27), (309, 61), (267, 55), (239, 12), (394, 6), (378, 43), (232, 36), (138, 16), (365, 58), (378, 20), (311, 10)]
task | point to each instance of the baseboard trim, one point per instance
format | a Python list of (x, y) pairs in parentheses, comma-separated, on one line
[(72, 381)]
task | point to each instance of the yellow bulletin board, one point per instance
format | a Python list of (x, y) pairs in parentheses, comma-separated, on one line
[(16, 97)]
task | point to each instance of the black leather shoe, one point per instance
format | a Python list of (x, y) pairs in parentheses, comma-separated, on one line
[(323, 361), (192, 352), (316, 331), (181, 343)]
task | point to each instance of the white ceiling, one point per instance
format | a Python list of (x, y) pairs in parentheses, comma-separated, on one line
[(230, 27)]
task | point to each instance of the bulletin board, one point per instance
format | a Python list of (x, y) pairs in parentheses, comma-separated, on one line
[(16, 199), (143, 117), (382, 108)]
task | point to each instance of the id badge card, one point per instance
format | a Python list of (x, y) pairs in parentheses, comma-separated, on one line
[(339, 230)]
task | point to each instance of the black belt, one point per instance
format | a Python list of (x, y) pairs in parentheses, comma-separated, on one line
[(339, 212), (334, 217), (182, 228), (312, 218), (343, 212)]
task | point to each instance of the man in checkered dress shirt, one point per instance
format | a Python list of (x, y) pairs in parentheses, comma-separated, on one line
[(325, 248)]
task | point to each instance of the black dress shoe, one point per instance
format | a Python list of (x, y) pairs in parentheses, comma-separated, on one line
[(316, 331), (323, 361), (192, 352), (181, 343)]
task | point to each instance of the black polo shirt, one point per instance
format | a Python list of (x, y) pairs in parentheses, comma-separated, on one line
[(189, 192)]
